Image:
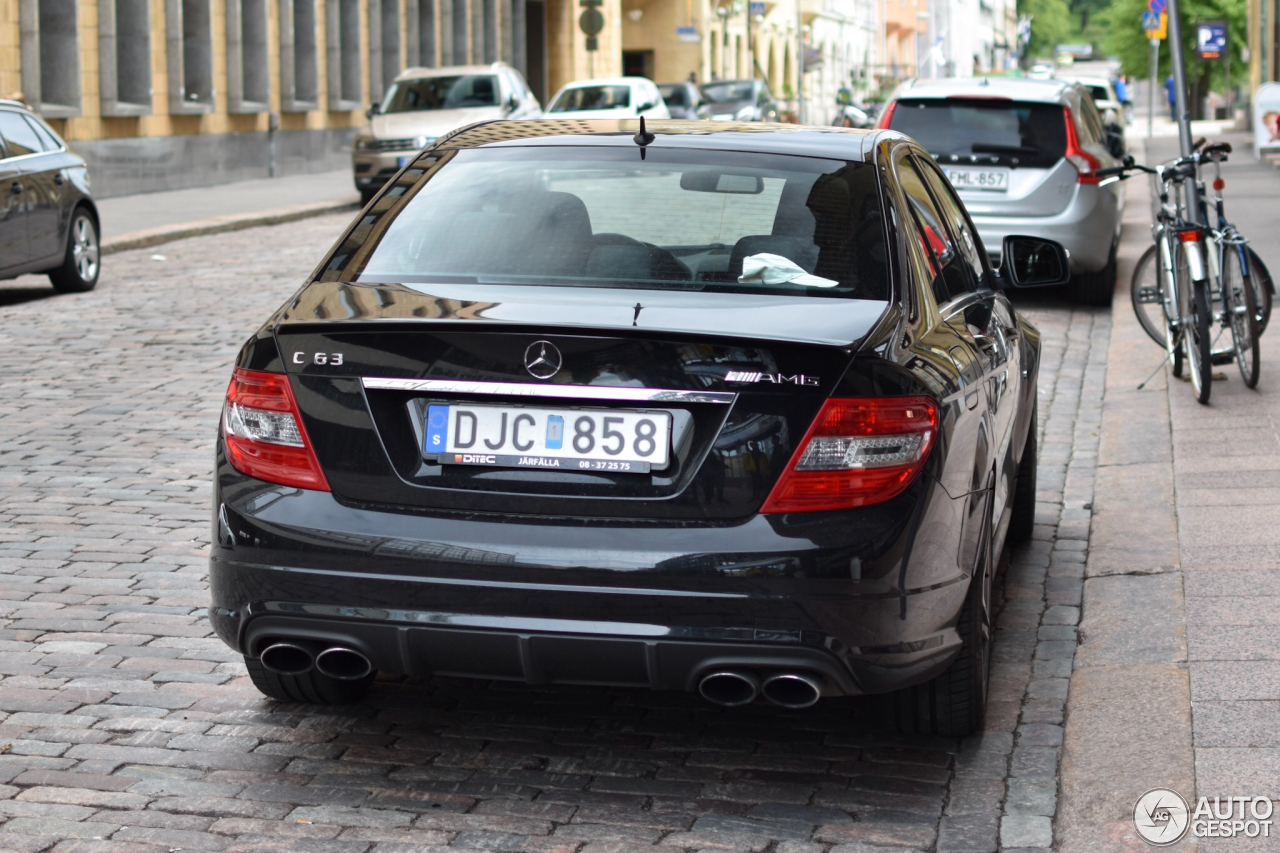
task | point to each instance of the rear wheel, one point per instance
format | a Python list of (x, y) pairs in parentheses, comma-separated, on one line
[(954, 703), (1195, 339), (311, 687), (1023, 519), (1263, 288), (1097, 288), (1145, 294), (1242, 311), (80, 265)]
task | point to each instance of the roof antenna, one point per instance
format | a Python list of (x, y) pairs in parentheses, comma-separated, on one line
[(643, 137)]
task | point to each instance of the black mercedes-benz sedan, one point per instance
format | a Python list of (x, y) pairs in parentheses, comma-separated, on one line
[(727, 408), (48, 221)]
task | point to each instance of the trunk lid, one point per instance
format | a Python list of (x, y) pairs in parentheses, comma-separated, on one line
[(739, 376)]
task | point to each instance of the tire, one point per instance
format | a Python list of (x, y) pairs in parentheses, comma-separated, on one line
[(1097, 288), (1150, 314), (954, 703), (1022, 521), (1263, 288), (1242, 310), (1195, 341), (310, 687), (82, 261)]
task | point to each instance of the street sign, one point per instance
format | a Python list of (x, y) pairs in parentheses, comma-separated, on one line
[(591, 22), (688, 34), (1161, 28), (1211, 39), (757, 8)]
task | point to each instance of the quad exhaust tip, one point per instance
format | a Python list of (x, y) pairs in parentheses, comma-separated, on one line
[(298, 658), (792, 690), (729, 688)]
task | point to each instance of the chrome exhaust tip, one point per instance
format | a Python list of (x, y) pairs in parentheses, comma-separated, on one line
[(287, 659), (343, 664), (792, 690), (729, 687)]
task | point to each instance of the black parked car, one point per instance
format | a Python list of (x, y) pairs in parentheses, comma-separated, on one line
[(741, 100), (684, 100), (48, 222), (699, 407)]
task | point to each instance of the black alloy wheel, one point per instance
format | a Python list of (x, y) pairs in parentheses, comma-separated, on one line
[(1022, 520), (81, 263), (955, 703), (311, 687)]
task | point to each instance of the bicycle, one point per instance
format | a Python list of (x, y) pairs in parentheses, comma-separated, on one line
[(1240, 284), (1183, 287)]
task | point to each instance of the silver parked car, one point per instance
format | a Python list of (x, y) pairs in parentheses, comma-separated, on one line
[(1024, 155), (423, 104)]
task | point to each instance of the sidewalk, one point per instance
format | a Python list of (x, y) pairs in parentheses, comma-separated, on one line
[(130, 222), (1177, 677)]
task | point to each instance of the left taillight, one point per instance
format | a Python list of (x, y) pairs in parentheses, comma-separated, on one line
[(265, 438), (859, 451)]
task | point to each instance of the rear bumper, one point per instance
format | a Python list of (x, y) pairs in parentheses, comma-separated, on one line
[(1088, 228), (543, 601)]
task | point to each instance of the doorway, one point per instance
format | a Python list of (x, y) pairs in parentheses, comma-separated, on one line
[(535, 35), (637, 63)]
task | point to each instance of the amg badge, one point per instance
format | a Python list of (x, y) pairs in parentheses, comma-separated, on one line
[(776, 378)]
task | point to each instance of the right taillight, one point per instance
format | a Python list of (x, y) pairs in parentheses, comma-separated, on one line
[(264, 435), (859, 451), (1086, 164)]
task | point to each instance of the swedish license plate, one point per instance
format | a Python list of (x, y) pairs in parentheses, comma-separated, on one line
[(989, 180), (619, 441)]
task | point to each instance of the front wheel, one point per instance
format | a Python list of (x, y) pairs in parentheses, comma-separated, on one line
[(1242, 312), (80, 265), (1263, 288)]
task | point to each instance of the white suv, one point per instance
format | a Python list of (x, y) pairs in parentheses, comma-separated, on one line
[(423, 104)]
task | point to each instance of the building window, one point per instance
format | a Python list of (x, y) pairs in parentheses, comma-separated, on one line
[(390, 43), (420, 33), (299, 74), (190, 42), (342, 26), (50, 56), (124, 57), (248, 86)]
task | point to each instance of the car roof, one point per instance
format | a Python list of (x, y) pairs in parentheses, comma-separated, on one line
[(753, 137), (1051, 91), (6, 102), (607, 81), (418, 72)]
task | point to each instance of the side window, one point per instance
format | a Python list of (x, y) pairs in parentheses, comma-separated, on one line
[(935, 243), (966, 239), (19, 135), (47, 139)]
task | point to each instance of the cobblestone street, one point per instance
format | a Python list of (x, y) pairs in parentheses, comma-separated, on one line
[(126, 726)]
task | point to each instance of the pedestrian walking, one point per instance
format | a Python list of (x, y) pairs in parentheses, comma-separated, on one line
[(1170, 89)]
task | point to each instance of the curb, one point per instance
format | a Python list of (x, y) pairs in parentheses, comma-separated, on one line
[(221, 224)]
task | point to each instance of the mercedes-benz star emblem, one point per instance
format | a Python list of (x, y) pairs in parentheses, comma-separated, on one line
[(542, 359)]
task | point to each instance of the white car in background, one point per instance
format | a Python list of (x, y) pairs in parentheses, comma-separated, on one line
[(1104, 97), (610, 97)]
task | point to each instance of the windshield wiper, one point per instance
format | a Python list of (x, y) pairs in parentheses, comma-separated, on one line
[(985, 148)]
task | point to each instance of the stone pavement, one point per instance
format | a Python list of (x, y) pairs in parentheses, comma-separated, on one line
[(126, 726), (1177, 679)]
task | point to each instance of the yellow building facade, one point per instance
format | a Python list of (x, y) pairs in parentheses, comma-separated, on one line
[(161, 94)]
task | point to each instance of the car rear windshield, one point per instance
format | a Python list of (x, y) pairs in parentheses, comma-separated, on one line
[(726, 93), (605, 217), (592, 98), (1010, 132), (1099, 93), (441, 93)]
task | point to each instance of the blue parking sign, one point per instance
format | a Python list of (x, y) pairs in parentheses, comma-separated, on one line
[(1211, 39)]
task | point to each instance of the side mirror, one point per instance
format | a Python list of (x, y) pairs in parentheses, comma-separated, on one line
[(1033, 262), (513, 104), (371, 112), (1115, 143)]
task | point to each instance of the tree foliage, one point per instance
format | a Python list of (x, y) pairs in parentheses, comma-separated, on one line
[(1051, 24), (1126, 39)]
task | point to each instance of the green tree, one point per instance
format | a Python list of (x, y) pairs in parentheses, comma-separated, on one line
[(1125, 39), (1051, 24)]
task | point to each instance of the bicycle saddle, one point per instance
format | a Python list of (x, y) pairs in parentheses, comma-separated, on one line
[(1214, 150)]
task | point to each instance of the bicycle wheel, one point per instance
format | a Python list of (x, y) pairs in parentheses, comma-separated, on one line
[(1195, 335), (1242, 311), (1144, 293), (1262, 288)]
